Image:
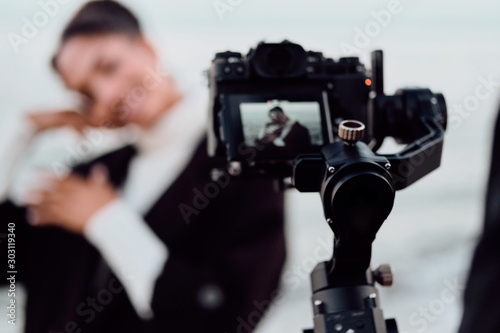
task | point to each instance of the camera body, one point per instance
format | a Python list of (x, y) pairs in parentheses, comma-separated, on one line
[(313, 91), (280, 101)]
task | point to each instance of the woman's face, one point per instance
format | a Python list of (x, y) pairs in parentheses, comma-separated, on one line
[(117, 77)]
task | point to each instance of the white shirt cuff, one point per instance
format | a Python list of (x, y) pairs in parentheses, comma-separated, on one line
[(279, 142), (132, 250)]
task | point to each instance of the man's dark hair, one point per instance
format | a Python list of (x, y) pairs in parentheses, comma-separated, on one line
[(277, 109), (99, 18)]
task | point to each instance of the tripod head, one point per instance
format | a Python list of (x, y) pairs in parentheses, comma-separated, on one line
[(357, 188)]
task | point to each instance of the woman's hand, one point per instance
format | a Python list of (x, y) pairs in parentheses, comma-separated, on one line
[(71, 202), (50, 120)]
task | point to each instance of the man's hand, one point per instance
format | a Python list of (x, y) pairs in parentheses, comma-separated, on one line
[(71, 202), (271, 136), (56, 119)]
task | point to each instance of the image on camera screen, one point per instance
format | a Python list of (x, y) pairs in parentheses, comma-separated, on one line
[(293, 126)]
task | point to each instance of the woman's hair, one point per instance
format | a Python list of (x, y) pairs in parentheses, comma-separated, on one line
[(99, 18)]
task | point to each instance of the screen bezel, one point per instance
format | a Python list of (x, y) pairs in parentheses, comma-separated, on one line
[(233, 127)]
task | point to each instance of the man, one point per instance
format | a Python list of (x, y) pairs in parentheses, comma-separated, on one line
[(284, 132), (482, 295), (140, 239)]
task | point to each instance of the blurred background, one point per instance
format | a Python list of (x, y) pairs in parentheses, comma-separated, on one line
[(449, 46)]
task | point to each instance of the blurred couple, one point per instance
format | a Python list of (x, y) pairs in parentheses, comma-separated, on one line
[(283, 131), (106, 248)]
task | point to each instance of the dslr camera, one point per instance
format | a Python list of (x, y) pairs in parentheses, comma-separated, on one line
[(280, 101), (284, 112)]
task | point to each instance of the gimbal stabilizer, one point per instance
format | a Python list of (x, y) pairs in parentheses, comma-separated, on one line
[(357, 188)]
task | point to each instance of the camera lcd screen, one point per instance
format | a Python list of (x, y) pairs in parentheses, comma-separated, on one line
[(281, 123), (277, 128)]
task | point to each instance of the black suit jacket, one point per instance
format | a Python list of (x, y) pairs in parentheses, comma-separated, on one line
[(482, 293), (226, 252), (298, 138)]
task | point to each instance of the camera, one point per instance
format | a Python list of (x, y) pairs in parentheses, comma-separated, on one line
[(279, 101), (284, 112)]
